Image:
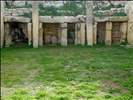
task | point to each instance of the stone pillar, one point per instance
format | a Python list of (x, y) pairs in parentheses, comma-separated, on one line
[(108, 38), (129, 12), (35, 21), (82, 33), (2, 24), (29, 34), (123, 30), (89, 23), (59, 34), (77, 33), (95, 33), (40, 34), (8, 34), (64, 34)]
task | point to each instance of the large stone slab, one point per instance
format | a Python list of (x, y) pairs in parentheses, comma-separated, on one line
[(16, 19), (58, 19)]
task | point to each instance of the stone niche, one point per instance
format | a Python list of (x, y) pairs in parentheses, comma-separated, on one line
[(15, 33), (52, 33), (70, 33), (101, 32)]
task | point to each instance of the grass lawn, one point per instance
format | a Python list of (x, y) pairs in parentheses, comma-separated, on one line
[(67, 73)]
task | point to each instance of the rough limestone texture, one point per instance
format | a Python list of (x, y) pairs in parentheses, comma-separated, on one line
[(40, 34), (77, 33), (64, 34), (108, 39), (29, 34), (129, 12), (54, 40), (2, 25), (89, 23), (35, 21), (8, 35), (47, 39), (95, 33), (82, 33), (123, 30)]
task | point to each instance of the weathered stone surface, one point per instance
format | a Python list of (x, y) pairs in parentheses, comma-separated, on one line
[(95, 33), (129, 10), (19, 3), (35, 21), (8, 34), (40, 34), (118, 19), (16, 19), (77, 33), (123, 30), (47, 39), (2, 24), (58, 19), (29, 34), (54, 40), (108, 38), (130, 34), (64, 34), (82, 33), (89, 23)]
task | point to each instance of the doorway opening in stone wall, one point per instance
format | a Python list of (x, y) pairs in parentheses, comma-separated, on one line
[(52, 33), (70, 33), (101, 26), (116, 33), (16, 34)]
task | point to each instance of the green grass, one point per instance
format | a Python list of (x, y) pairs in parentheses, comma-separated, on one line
[(67, 73)]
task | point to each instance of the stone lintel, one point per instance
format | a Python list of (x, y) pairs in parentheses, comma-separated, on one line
[(58, 19)]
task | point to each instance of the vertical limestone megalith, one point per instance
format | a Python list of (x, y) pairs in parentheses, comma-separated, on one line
[(77, 33), (35, 22), (82, 33), (2, 24), (40, 34), (108, 37), (64, 34), (95, 33), (123, 30), (129, 12), (89, 23), (8, 35), (29, 34)]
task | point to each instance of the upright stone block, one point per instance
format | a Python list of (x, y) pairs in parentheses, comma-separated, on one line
[(95, 33), (40, 34), (29, 34), (35, 21), (64, 34), (59, 34), (8, 34), (2, 24), (108, 38), (82, 34), (77, 33), (130, 33), (123, 30), (89, 23)]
